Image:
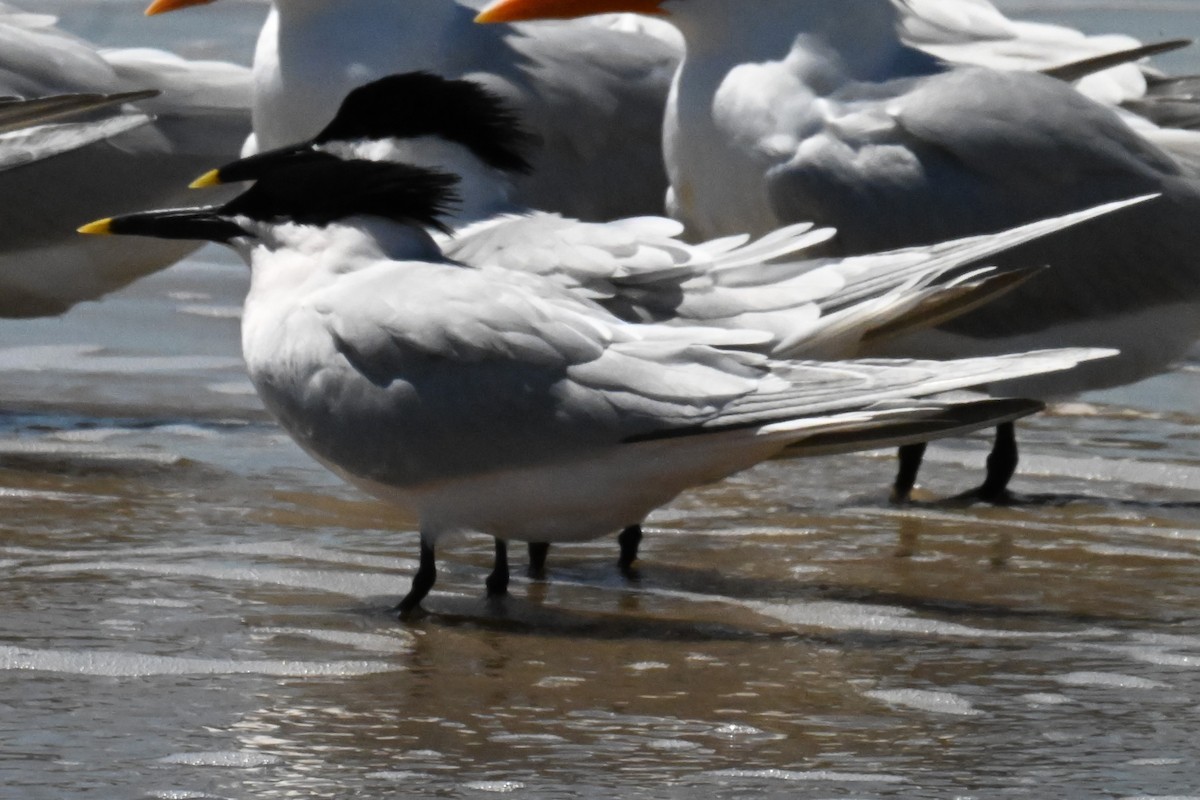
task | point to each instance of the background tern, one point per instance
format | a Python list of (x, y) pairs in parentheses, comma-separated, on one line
[(594, 90), (788, 110), (571, 83), (199, 117)]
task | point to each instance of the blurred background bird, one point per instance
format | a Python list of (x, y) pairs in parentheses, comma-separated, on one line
[(591, 91), (785, 111), (199, 114)]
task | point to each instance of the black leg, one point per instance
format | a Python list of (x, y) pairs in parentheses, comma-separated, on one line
[(537, 559), (910, 457), (422, 582), (629, 540), (1001, 465), (497, 582)]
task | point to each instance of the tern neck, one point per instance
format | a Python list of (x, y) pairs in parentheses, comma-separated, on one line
[(344, 245), (293, 259), (862, 34), (311, 53)]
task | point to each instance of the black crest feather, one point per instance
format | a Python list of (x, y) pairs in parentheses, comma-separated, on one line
[(416, 104), (322, 188)]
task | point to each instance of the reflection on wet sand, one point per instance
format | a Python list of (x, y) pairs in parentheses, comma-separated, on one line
[(207, 594)]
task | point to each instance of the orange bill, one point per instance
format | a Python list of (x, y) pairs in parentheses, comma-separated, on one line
[(522, 10), (163, 6)]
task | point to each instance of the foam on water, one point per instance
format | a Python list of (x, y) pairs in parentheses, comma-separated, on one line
[(526, 738), (741, 732), (152, 602), (401, 642), (1139, 552), (925, 700), (821, 775), (351, 584), (1166, 639), (399, 775), (237, 759), (883, 619), (495, 787), (268, 549), (37, 494), (92, 359), (82, 452), (1109, 680), (672, 744), (1140, 472), (1163, 658), (1079, 408), (1047, 699), (1158, 655), (115, 664)]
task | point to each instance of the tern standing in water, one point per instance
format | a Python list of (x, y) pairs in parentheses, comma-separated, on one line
[(495, 401)]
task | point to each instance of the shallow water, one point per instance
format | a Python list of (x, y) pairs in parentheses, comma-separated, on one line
[(195, 610)]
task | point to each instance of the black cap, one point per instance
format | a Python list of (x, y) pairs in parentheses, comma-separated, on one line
[(416, 104)]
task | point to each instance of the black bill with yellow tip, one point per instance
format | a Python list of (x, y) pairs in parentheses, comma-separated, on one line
[(256, 167), (200, 224)]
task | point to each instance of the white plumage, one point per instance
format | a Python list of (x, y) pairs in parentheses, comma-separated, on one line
[(484, 399)]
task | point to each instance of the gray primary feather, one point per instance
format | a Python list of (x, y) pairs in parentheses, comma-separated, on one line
[(27, 143), (17, 113)]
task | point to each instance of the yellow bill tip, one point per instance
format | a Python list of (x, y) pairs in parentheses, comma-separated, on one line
[(210, 178), (101, 227)]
